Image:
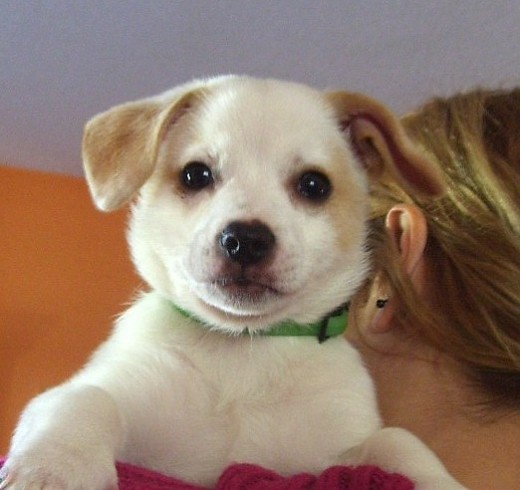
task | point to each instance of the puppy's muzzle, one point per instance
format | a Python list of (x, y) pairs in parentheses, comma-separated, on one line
[(246, 243)]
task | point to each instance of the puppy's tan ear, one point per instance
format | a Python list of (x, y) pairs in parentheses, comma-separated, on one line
[(382, 144), (120, 147)]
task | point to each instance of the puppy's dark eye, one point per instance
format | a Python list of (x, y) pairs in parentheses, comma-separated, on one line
[(313, 186), (196, 176)]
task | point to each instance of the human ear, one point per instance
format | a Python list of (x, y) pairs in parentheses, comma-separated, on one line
[(406, 226)]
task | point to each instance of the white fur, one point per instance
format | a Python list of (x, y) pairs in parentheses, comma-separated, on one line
[(170, 394)]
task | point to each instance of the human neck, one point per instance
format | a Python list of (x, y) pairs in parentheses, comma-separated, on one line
[(433, 400)]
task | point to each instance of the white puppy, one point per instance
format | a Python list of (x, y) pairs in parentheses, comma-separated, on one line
[(249, 227)]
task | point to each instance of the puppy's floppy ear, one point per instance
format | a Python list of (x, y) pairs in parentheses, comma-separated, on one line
[(383, 145), (120, 147)]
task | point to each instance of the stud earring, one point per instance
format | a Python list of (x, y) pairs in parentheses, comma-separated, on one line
[(381, 303)]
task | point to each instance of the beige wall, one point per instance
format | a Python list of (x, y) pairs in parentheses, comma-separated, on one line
[(64, 275)]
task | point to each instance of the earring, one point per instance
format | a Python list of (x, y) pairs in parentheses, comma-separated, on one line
[(381, 303)]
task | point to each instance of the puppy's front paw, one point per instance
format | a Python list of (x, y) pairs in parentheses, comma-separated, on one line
[(399, 451), (58, 469)]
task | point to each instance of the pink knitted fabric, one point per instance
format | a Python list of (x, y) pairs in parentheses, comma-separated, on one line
[(137, 478), (251, 477)]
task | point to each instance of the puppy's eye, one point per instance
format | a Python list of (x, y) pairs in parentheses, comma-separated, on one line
[(196, 176), (313, 186)]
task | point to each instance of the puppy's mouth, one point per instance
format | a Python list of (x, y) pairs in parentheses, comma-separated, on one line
[(242, 289), (243, 299)]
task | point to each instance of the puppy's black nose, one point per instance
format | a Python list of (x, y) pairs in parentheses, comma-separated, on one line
[(246, 243)]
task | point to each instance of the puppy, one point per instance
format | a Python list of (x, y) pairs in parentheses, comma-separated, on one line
[(248, 223)]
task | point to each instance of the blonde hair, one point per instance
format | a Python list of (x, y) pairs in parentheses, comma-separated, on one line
[(473, 243)]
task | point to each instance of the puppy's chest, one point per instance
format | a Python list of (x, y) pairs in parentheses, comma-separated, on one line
[(292, 406), (264, 371), (283, 385)]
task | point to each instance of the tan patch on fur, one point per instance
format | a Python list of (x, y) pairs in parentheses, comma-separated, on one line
[(120, 147), (117, 152), (383, 145), (349, 202)]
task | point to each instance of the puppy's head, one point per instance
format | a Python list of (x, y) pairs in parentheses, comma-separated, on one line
[(251, 195)]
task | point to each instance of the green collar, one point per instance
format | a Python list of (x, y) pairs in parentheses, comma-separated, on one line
[(332, 325)]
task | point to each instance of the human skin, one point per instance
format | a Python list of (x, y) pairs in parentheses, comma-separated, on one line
[(421, 389)]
